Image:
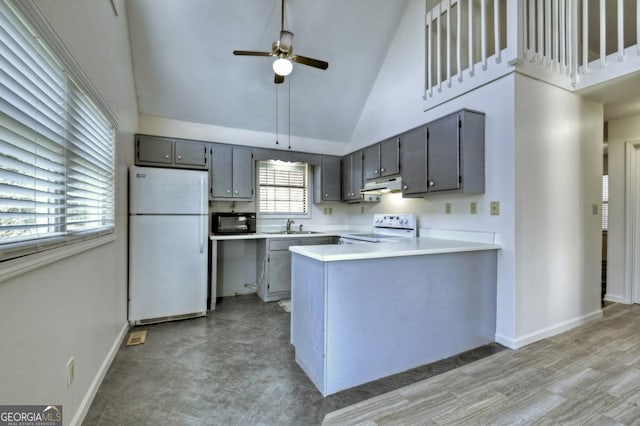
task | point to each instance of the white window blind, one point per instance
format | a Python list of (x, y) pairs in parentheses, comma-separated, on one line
[(56, 149), (283, 187), (605, 202)]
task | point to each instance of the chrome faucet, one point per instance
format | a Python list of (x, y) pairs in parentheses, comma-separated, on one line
[(289, 223)]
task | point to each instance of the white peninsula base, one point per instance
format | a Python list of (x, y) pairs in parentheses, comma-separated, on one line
[(354, 321)]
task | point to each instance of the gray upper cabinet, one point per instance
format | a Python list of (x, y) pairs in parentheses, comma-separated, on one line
[(371, 162), (443, 147), (390, 157), (446, 155), (382, 159), (327, 177), (352, 181), (231, 173), (166, 152), (413, 157)]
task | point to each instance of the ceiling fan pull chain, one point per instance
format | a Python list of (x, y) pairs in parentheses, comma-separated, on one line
[(289, 84), (277, 143)]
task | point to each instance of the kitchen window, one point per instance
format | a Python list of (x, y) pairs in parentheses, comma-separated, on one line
[(284, 188), (56, 147)]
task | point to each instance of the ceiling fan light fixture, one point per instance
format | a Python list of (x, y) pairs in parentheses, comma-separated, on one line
[(282, 66)]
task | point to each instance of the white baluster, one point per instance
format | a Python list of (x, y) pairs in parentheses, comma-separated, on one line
[(496, 29), (585, 37), (429, 53), (483, 33), (556, 35), (540, 46), (438, 47), (471, 65), (603, 33), (532, 30), (620, 30), (563, 36), (459, 40), (547, 33), (447, 6)]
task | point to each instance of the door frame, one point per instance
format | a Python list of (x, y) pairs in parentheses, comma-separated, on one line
[(631, 240)]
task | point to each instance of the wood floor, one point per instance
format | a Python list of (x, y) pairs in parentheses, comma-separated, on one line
[(587, 376)]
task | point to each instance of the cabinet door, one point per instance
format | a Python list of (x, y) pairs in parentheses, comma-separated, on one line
[(371, 162), (414, 161), (279, 271), (153, 150), (221, 171), (346, 177), (443, 153), (357, 182), (331, 179), (242, 173), (190, 154), (390, 157)]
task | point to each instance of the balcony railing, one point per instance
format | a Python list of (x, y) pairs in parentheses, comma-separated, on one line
[(570, 43)]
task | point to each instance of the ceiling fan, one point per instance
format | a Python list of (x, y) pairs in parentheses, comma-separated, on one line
[(282, 49)]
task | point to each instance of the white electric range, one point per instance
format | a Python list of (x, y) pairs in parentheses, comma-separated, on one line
[(386, 227)]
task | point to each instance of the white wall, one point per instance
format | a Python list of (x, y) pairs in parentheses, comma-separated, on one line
[(558, 167), (621, 130), (396, 105), (77, 306), (543, 164)]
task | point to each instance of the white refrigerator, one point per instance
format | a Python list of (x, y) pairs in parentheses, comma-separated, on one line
[(168, 247)]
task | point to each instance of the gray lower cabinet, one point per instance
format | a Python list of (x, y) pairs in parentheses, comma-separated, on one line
[(446, 155), (352, 181), (327, 177), (166, 152), (231, 173), (274, 265)]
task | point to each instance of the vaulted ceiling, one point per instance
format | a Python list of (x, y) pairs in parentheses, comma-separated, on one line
[(185, 70)]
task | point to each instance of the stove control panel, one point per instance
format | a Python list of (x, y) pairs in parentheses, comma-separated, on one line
[(397, 221)]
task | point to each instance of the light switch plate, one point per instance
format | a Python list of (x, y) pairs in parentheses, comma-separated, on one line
[(495, 208), (473, 207), (447, 208), (594, 209)]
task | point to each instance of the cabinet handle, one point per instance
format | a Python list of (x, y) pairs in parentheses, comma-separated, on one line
[(375, 172), (228, 191), (166, 156), (405, 187), (179, 157), (326, 195), (431, 183), (235, 192), (382, 170)]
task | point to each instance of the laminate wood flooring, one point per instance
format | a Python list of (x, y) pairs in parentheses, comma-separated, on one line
[(587, 376)]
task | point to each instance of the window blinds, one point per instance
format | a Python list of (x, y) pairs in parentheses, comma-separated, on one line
[(56, 149), (283, 187)]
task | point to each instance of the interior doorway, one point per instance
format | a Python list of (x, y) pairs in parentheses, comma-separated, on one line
[(632, 221)]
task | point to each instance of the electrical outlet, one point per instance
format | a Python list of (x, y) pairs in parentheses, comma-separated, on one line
[(447, 208), (70, 372), (594, 209), (495, 208), (330, 210), (473, 207), (325, 210), (361, 209)]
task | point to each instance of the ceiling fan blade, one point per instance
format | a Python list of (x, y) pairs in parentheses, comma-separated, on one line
[(316, 63), (278, 79), (250, 53), (286, 41)]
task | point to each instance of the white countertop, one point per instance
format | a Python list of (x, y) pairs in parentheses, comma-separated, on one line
[(407, 247), (261, 235)]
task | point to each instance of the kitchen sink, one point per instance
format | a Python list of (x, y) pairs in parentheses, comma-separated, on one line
[(292, 232)]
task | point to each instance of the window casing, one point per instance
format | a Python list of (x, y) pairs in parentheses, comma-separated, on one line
[(605, 202), (56, 148), (284, 188)]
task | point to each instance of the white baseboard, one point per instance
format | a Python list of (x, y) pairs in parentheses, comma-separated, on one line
[(525, 340), (614, 298), (78, 418)]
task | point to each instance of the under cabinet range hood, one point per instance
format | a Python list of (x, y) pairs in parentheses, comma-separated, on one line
[(382, 186), (365, 197)]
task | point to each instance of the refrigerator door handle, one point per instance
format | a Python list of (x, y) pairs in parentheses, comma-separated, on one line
[(201, 231), (203, 195)]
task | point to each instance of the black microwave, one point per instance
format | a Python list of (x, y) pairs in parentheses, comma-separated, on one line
[(233, 223)]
